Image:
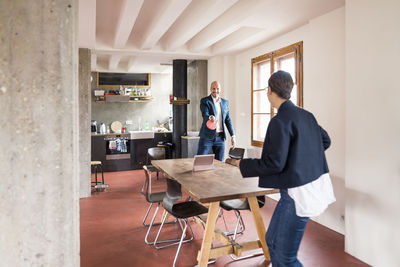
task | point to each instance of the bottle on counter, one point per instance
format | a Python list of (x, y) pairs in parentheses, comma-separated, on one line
[(102, 128), (146, 126)]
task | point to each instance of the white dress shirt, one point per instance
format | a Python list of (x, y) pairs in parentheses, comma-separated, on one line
[(313, 198), (218, 115)]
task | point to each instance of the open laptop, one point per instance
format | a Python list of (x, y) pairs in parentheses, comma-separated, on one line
[(203, 162)]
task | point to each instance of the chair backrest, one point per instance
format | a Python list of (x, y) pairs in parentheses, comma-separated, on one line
[(173, 194), (236, 153), (147, 183), (261, 201), (155, 153)]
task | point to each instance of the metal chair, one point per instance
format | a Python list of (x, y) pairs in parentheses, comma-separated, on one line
[(152, 198), (182, 211), (154, 153), (237, 205)]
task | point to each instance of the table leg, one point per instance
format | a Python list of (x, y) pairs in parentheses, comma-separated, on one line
[(208, 234), (255, 210)]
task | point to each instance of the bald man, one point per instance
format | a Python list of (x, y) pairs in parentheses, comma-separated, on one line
[(216, 109)]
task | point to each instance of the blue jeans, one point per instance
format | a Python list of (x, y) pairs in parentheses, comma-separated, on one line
[(285, 232), (217, 145)]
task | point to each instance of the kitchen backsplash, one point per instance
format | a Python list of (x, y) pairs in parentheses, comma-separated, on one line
[(138, 113)]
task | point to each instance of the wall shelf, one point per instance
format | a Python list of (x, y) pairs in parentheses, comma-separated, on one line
[(180, 102), (123, 98)]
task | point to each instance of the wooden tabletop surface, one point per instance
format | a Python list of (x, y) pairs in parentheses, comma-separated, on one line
[(221, 183)]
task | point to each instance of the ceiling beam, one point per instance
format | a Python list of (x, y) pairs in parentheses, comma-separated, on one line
[(129, 12), (240, 39), (114, 61), (195, 17), (226, 24), (131, 63), (87, 24), (168, 12)]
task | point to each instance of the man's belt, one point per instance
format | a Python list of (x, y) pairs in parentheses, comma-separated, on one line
[(221, 134)]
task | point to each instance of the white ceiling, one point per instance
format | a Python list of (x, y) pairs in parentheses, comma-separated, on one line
[(146, 35)]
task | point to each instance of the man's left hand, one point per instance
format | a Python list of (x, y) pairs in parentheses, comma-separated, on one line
[(233, 140)]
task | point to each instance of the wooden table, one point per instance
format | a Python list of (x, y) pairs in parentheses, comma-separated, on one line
[(224, 182)]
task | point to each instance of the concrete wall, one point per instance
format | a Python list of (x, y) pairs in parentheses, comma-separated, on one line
[(159, 109), (197, 88), (39, 190), (84, 121), (372, 131), (323, 44)]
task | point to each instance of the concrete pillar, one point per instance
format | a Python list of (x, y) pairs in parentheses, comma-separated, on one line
[(197, 89), (84, 121), (39, 198)]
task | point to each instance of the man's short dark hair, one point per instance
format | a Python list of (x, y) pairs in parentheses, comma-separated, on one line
[(281, 83)]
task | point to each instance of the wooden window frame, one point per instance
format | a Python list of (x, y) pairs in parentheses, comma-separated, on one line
[(297, 48)]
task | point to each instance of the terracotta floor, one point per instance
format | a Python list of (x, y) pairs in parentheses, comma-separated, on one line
[(112, 234)]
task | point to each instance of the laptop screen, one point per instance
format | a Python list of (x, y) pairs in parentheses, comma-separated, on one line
[(203, 162)]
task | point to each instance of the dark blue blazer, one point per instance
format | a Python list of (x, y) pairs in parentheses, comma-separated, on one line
[(207, 108), (294, 150)]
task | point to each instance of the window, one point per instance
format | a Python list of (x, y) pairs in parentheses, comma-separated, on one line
[(288, 59)]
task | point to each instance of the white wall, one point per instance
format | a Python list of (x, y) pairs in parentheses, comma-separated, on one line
[(373, 131), (323, 44)]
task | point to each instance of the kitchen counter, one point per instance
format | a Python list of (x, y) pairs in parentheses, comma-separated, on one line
[(97, 134), (138, 146), (135, 134)]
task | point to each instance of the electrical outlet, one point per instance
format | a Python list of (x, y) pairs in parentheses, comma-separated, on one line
[(128, 122)]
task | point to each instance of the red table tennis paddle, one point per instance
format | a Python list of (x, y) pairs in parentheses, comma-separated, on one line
[(211, 125)]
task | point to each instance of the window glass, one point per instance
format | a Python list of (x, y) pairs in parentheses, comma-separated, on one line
[(288, 65), (262, 71), (260, 102), (260, 124)]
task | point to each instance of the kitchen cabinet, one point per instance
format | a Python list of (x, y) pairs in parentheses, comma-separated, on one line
[(162, 137), (139, 149), (98, 151)]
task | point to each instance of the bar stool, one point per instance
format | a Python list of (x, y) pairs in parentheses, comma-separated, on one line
[(97, 164)]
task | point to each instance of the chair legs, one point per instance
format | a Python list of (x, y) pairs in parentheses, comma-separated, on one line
[(147, 213), (239, 222), (181, 241), (95, 174), (152, 223), (173, 241)]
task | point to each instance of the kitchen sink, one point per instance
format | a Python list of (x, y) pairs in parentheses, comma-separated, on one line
[(141, 134)]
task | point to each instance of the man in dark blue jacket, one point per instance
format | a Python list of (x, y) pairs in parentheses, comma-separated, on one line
[(215, 109), (293, 158)]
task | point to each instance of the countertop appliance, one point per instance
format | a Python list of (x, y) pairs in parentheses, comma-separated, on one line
[(93, 126)]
